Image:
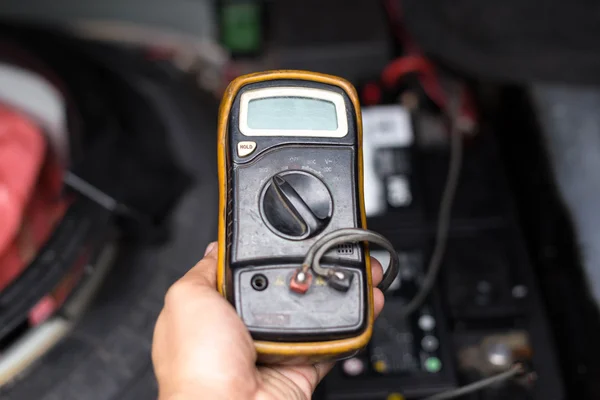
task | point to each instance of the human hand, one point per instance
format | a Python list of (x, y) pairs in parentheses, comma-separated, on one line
[(202, 349)]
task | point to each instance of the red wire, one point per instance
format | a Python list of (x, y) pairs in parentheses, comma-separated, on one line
[(425, 71), (415, 62), (429, 81), (403, 66)]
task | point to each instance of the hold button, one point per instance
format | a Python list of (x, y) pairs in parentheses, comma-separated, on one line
[(245, 148)]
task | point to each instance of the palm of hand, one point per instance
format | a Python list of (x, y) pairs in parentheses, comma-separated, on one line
[(202, 350)]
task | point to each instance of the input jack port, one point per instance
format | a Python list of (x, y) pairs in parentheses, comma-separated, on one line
[(259, 282)]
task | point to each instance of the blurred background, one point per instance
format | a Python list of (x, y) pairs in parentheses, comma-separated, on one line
[(108, 186)]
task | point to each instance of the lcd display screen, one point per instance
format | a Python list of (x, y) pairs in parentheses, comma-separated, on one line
[(292, 113)]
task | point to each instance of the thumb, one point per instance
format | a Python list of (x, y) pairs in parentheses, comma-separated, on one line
[(204, 273), (210, 250)]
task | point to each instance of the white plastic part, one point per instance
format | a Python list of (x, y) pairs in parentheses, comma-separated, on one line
[(37, 98), (387, 126), (30, 347)]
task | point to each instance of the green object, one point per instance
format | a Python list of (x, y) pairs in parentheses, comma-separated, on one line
[(433, 364), (241, 26)]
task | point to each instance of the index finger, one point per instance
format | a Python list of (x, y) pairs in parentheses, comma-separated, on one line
[(377, 271)]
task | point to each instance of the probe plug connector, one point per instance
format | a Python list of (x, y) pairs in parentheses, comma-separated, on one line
[(300, 282)]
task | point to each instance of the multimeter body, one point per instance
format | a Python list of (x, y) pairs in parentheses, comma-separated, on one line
[(290, 171)]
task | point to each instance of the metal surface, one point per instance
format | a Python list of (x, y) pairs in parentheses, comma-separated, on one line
[(499, 355)]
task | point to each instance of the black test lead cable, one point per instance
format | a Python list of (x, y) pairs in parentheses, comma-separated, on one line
[(341, 236)]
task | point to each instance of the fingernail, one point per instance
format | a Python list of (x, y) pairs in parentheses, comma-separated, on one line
[(209, 248)]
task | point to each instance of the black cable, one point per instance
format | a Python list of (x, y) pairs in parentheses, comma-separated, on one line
[(350, 235), (89, 191), (516, 369), (84, 188), (444, 216)]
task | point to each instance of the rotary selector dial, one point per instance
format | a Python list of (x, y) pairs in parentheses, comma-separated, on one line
[(296, 205)]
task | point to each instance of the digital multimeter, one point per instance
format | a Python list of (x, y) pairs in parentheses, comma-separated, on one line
[(291, 216)]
